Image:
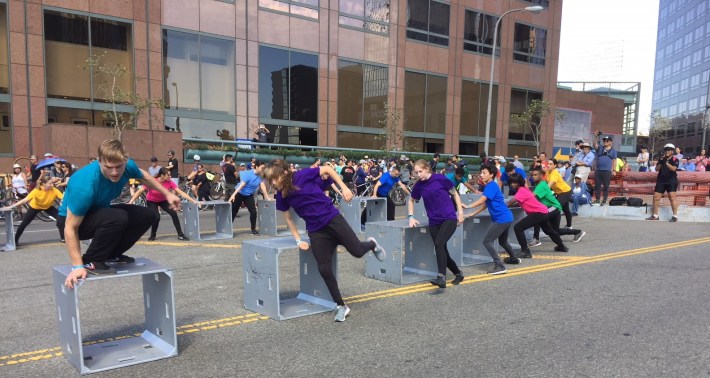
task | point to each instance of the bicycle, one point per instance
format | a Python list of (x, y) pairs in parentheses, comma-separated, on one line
[(398, 195), (218, 187)]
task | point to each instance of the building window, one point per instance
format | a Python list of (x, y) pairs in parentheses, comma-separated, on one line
[(425, 103), (428, 21), (519, 101), (529, 44), (288, 94), (199, 84), (369, 15), (478, 33), (69, 40), (362, 93), (474, 104), (303, 8)]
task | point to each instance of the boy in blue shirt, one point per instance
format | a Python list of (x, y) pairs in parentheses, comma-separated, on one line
[(86, 212)]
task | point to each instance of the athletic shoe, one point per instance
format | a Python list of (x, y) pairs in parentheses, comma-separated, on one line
[(439, 281), (603, 203), (561, 249), (525, 254), (378, 251), (151, 237), (511, 260), (534, 243), (341, 312), (674, 219), (99, 268), (578, 236), (183, 238), (652, 217), (595, 202), (457, 280), (255, 232), (62, 241), (122, 260), (574, 214), (497, 269)]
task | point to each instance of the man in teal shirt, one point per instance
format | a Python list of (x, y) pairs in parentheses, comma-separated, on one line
[(86, 212)]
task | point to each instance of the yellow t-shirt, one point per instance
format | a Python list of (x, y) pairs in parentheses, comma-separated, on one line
[(43, 199), (560, 185)]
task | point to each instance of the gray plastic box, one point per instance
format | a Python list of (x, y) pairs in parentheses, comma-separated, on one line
[(262, 280), (223, 217), (420, 211), (9, 232), (410, 255), (157, 341), (269, 216), (352, 211)]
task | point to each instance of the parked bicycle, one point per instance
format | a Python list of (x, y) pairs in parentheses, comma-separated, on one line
[(398, 195)]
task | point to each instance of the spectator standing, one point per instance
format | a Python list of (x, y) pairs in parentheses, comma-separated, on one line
[(19, 182), (262, 134), (678, 153), (517, 163), (701, 161), (642, 159), (173, 167), (605, 168), (583, 160), (666, 182), (35, 173), (229, 172), (360, 177), (434, 162), (154, 167), (348, 173)]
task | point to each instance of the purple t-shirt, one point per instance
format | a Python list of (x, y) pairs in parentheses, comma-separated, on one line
[(437, 200), (308, 201)]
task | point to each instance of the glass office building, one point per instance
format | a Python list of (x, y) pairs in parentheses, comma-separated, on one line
[(680, 84), (314, 72)]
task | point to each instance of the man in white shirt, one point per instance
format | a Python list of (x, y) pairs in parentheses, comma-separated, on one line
[(642, 159)]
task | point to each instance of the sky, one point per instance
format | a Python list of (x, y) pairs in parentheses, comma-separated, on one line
[(610, 40)]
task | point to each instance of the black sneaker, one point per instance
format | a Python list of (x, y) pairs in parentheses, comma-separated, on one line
[(652, 218), (121, 260), (152, 237), (498, 269), (255, 232), (183, 238), (674, 219), (99, 268), (561, 249), (457, 280), (511, 260), (603, 203), (525, 254), (439, 281)]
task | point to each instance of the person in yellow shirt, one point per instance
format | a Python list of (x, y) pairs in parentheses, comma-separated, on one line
[(562, 190), (41, 198)]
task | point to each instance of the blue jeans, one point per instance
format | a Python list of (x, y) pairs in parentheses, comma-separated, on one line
[(579, 199)]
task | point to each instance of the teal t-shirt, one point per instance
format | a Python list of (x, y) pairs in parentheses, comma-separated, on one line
[(89, 189)]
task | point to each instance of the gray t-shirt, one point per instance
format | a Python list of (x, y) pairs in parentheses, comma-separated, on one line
[(153, 170)]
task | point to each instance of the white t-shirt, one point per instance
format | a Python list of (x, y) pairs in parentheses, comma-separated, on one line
[(643, 156)]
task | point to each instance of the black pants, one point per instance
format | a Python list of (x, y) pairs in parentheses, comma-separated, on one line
[(251, 206), (203, 195), (323, 244), (30, 215), (555, 219), (441, 234), (113, 230), (539, 220), (564, 199), (390, 210), (166, 207), (601, 178)]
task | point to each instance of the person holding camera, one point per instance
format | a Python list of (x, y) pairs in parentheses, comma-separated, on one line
[(666, 181), (606, 156), (262, 134)]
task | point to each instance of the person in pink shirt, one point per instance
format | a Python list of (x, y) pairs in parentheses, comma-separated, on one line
[(154, 200), (537, 214), (701, 161)]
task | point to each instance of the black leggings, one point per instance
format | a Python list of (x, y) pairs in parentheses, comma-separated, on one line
[(440, 234), (555, 218), (203, 195), (251, 206), (564, 199), (323, 244), (538, 220), (30, 215), (166, 207)]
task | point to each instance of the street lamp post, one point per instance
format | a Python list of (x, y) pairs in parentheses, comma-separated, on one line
[(533, 9)]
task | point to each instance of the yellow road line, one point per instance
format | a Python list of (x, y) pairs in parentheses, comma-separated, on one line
[(569, 261)]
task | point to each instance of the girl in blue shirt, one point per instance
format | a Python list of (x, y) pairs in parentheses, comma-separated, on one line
[(501, 217)]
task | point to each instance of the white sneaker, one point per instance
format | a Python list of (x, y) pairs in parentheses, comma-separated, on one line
[(341, 312), (534, 243), (578, 236), (379, 252)]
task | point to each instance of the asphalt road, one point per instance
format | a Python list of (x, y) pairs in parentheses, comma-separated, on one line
[(631, 299)]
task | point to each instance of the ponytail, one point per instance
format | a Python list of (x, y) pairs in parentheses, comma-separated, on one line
[(279, 169)]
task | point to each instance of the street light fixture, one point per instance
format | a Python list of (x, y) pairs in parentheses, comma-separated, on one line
[(534, 9)]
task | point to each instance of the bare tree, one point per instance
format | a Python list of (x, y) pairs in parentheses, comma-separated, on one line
[(109, 77), (391, 138), (657, 133), (533, 118)]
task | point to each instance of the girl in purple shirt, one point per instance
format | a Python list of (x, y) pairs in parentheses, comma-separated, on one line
[(326, 227), (437, 192)]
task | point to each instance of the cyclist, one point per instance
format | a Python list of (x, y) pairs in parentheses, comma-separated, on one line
[(19, 182), (201, 184), (39, 199)]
